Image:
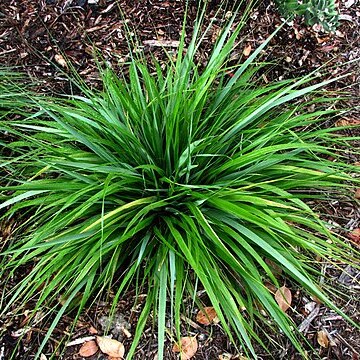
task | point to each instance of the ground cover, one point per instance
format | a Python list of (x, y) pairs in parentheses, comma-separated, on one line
[(96, 24)]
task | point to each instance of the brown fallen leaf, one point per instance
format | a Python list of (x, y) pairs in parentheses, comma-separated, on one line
[(274, 267), (355, 236), (283, 297), (111, 347), (187, 348), (88, 349), (207, 316), (323, 339), (247, 50), (357, 194), (348, 122)]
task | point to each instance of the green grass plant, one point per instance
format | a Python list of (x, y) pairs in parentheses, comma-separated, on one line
[(174, 180)]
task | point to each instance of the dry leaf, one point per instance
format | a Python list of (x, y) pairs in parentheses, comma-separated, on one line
[(274, 267), (323, 339), (207, 316), (348, 122), (283, 297), (357, 194), (111, 347), (89, 348), (355, 236), (247, 50), (187, 348), (60, 60)]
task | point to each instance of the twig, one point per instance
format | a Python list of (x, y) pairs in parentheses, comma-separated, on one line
[(194, 324), (303, 327), (346, 343), (80, 341)]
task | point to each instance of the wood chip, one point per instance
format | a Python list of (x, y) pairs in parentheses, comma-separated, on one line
[(60, 60), (247, 50), (225, 356), (162, 43), (322, 339), (126, 332)]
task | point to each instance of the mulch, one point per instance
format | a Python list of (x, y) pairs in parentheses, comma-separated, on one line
[(36, 37)]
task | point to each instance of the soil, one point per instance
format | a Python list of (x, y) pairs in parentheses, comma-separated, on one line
[(39, 37)]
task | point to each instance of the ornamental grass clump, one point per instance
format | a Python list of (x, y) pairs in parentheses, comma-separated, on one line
[(174, 180)]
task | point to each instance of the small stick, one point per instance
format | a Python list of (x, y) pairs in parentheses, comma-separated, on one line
[(303, 327), (80, 341), (194, 324)]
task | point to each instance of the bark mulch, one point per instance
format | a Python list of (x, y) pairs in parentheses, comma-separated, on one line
[(36, 37)]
